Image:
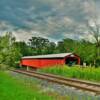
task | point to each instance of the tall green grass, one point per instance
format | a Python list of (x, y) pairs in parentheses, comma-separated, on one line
[(88, 73)]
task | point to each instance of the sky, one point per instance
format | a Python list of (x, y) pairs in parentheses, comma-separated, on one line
[(52, 19)]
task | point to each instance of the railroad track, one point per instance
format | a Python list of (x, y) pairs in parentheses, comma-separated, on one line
[(79, 84)]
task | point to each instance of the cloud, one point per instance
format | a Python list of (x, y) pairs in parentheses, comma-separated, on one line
[(25, 36), (53, 19)]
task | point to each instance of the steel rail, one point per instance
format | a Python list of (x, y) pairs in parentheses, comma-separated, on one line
[(67, 79), (87, 87)]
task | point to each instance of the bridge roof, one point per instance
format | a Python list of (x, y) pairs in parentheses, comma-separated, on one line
[(61, 55)]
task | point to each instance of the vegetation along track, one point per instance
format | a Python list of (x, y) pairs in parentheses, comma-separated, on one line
[(79, 84)]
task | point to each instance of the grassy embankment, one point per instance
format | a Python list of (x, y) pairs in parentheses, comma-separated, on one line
[(17, 89), (88, 73)]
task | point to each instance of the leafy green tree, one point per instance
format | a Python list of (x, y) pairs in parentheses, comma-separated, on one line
[(61, 47), (23, 48), (50, 49), (94, 30), (8, 54), (39, 44)]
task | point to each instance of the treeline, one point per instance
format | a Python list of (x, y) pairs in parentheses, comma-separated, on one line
[(12, 51)]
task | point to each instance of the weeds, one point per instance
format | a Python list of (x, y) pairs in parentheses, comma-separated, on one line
[(88, 73)]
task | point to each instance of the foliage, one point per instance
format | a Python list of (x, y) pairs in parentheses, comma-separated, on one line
[(89, 73), (8, 53), (94, 30), (23, 48), (41, 45)]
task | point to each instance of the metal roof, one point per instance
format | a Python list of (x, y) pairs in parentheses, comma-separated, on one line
[(61, 55)]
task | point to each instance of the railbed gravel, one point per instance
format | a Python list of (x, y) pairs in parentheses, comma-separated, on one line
[(46, 86)]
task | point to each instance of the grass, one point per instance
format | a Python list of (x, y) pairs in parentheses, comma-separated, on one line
[(13, 89), (89, 73)]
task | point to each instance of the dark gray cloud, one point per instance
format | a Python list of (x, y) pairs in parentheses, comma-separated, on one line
[(48, 18)]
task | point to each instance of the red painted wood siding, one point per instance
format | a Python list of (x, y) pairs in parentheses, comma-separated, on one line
[(40, 63)]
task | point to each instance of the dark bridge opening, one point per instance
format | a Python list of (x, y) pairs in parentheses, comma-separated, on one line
[(71, 61)]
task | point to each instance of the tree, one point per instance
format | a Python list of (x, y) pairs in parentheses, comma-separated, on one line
[(61, 47), (94, 30), (39, 44), (23, 48), (9, 55), (51, 48)]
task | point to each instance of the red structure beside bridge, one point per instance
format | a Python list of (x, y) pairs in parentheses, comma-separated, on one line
[(41, 61)]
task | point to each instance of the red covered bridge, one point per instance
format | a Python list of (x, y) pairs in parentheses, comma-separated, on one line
[(41, 61)]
